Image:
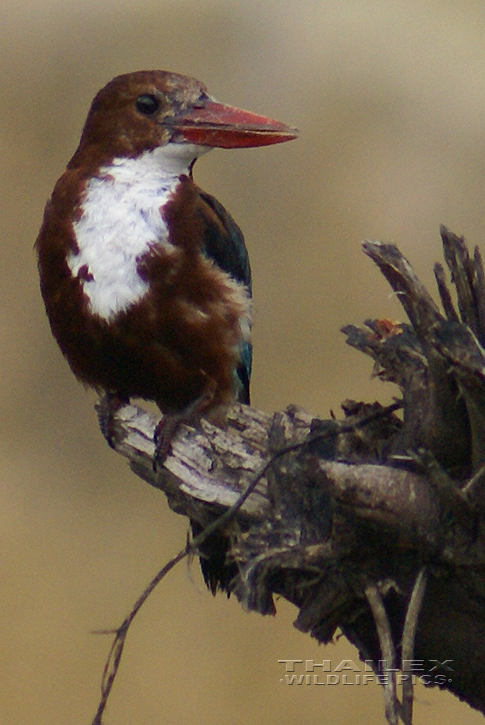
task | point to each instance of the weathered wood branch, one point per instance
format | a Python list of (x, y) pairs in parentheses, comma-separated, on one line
[(355, 509)]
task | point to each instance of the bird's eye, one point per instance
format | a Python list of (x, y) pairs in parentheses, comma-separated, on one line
[(147, 104)]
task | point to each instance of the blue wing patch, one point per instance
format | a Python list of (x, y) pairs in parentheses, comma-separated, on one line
[(224, 244)]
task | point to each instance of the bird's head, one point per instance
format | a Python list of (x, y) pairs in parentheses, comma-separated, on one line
[(141, 111)]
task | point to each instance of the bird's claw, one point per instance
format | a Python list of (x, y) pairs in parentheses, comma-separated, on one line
[(168, 426), (107, 408)]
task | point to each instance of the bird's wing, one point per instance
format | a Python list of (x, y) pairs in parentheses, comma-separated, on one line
[(224, 244)]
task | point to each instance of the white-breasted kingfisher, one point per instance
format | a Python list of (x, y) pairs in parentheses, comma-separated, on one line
[(145, 277)]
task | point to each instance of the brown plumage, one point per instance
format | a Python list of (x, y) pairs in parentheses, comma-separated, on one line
[(145, 278), (166, 346)]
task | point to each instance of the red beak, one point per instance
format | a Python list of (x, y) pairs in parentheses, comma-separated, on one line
[(214, 124)]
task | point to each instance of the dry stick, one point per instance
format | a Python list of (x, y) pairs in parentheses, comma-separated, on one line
[(444, 293), (475, 482), (113, 661), (388, 652), (408, 639), (112, 664)]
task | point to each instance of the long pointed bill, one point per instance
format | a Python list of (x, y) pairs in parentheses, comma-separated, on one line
[(215, 124)]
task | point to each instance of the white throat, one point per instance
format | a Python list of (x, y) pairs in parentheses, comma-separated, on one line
[(121, 219)]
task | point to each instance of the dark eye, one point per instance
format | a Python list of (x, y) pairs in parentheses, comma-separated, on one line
[(147, 104)]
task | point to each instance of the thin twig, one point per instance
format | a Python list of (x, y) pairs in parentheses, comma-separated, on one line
[(408, 640), (114, 658), (388, 652), (475, 483), (113, 662)]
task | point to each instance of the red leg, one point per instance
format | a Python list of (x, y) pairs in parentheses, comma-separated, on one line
[(171, 422)]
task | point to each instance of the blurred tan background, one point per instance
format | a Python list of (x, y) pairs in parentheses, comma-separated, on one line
[(390, 100)]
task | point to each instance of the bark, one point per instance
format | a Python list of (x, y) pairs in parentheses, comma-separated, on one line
[(384, 507)]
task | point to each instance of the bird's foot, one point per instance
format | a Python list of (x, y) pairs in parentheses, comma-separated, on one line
[(168, 426), (107, 408)]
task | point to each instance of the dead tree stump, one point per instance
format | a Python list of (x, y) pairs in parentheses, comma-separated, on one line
[(373, 524)]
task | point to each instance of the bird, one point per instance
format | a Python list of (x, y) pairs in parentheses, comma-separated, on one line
[(145, 278)]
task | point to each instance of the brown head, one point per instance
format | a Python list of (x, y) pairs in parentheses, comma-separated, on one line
[(139, 111)]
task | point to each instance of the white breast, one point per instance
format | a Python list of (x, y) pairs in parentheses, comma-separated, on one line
[(120, 220)]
